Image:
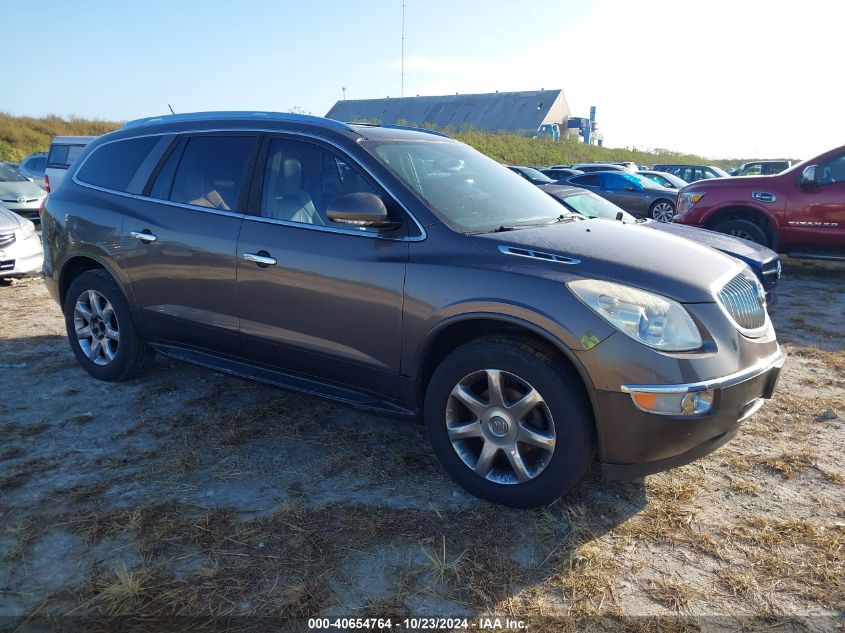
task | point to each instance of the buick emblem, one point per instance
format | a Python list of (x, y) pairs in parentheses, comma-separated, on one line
[(21, 199)]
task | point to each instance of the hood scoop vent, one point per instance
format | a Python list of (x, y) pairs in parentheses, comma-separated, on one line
[(547, 257)]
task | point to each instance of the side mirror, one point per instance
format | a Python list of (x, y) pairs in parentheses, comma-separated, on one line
[(808, 176), (358, 209)]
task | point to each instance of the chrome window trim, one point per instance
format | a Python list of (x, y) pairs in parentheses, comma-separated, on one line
[(418, 238), (760, 367)]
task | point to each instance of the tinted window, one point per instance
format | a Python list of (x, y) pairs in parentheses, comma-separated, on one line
[(211, 171), (589, 180), (112, 165), (832, 171), (301, 180), (164, 180), (615, 182), (37, 164), (62, 156)]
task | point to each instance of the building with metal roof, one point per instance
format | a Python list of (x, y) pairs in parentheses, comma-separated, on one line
[(520, 112)]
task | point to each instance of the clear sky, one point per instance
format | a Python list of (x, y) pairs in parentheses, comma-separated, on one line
[(739, 78)]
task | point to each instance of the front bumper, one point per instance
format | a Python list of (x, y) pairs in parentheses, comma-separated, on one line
[(635, 443), (22, 259), (28, 210)]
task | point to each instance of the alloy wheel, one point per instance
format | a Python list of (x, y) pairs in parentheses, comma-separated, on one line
[(500, 426), (96, 326), (663, 212)]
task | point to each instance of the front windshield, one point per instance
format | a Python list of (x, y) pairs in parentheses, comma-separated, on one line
[(592, 206), (10, 174), (646, 183), (535, 174), (466, 190), (722, 173)]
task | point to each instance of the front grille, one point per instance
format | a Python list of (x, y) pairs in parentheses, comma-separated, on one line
[(744, 300), (6, 239)]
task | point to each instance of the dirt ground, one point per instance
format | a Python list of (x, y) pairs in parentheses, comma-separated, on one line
[(188, 493)]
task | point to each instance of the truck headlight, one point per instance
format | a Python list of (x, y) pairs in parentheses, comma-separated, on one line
[(687, 201), (651, 319), (26, 231)]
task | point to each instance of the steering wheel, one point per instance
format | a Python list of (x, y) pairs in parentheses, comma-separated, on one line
[(468, 204)]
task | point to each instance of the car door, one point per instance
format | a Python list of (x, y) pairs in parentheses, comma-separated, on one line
[(181, 239), (816, 210), (623, 192), (316, 297)]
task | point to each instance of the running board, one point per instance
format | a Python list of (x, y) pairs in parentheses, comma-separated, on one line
[(293, 382), (831, 257)]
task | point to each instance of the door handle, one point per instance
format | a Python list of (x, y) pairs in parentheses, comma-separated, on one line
[(262, 258), (143, 236)]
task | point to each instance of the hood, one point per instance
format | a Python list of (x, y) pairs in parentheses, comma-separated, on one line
[(625, 253), (735, 247), (11, 190), (9, 221), (731, 181)]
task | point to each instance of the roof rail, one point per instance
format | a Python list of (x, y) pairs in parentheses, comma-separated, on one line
[(391, 126), (235, 115)]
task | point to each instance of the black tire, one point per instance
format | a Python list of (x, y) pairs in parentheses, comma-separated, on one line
[(562, 392), (132, 354), (651, 211), (744, 229)]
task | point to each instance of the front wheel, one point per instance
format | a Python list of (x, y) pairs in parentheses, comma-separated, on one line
[(100, 329), (509, 422), (662, 211), (743, 229)]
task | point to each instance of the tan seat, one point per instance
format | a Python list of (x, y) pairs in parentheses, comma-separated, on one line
[(189, 184), (287, 200)]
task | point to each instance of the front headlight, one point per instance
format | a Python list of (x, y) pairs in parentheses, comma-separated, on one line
[(26, 231), (687, 200), (651, 319)]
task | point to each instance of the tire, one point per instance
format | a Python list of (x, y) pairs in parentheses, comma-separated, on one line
[(564, 413), (662, 211), (114, 359), (744, 229)]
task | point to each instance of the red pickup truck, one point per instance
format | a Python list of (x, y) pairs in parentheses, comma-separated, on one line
[(800, 211)]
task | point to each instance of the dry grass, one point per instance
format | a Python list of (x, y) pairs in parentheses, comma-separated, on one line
[(674, 594)]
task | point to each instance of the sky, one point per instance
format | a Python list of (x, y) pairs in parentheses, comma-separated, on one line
[(739, 78)]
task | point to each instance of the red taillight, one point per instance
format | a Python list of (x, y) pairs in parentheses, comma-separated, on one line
[(47, 183), (41, 208)]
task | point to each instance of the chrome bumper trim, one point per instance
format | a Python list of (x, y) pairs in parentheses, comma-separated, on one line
[(760, 367)]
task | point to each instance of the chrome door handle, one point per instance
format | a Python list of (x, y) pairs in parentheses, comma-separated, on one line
[(260, 259), (144, 237)]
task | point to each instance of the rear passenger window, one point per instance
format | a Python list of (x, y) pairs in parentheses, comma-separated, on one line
[(113, 165), (210, 172)]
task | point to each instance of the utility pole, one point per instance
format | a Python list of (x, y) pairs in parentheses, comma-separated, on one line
[(402, 85)]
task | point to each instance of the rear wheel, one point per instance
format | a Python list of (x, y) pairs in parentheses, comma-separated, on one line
[(662, 211), (744, 229), (509, 422), (100, 329)]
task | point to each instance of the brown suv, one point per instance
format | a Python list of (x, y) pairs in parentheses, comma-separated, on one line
[(402, 272)]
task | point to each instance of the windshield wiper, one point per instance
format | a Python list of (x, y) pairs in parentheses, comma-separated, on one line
[(504, 228)]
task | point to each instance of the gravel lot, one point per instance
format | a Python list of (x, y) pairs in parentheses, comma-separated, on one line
[(188, 493)]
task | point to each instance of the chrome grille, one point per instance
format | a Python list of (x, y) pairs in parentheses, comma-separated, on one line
[(744, 301), (6, 239)]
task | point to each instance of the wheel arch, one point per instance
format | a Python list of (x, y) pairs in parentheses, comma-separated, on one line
[(457, 330), (761, 217), (75, 266)]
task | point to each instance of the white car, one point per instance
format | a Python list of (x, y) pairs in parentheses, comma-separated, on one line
[(63, 151), (20, 247)]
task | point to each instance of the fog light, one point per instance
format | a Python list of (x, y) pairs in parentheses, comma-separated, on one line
[(673, 403)]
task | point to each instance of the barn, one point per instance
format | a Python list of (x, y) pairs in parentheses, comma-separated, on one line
[(518, 112)]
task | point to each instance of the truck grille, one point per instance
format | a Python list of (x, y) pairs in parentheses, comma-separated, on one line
[(744, 301), (6, 239)]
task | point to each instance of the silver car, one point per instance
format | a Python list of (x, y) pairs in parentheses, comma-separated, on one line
[(20, 246), (19, 194), (34, 166), (636, 194)]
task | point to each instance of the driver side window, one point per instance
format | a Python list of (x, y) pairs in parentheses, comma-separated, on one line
[(302, 179), (832, 170)]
